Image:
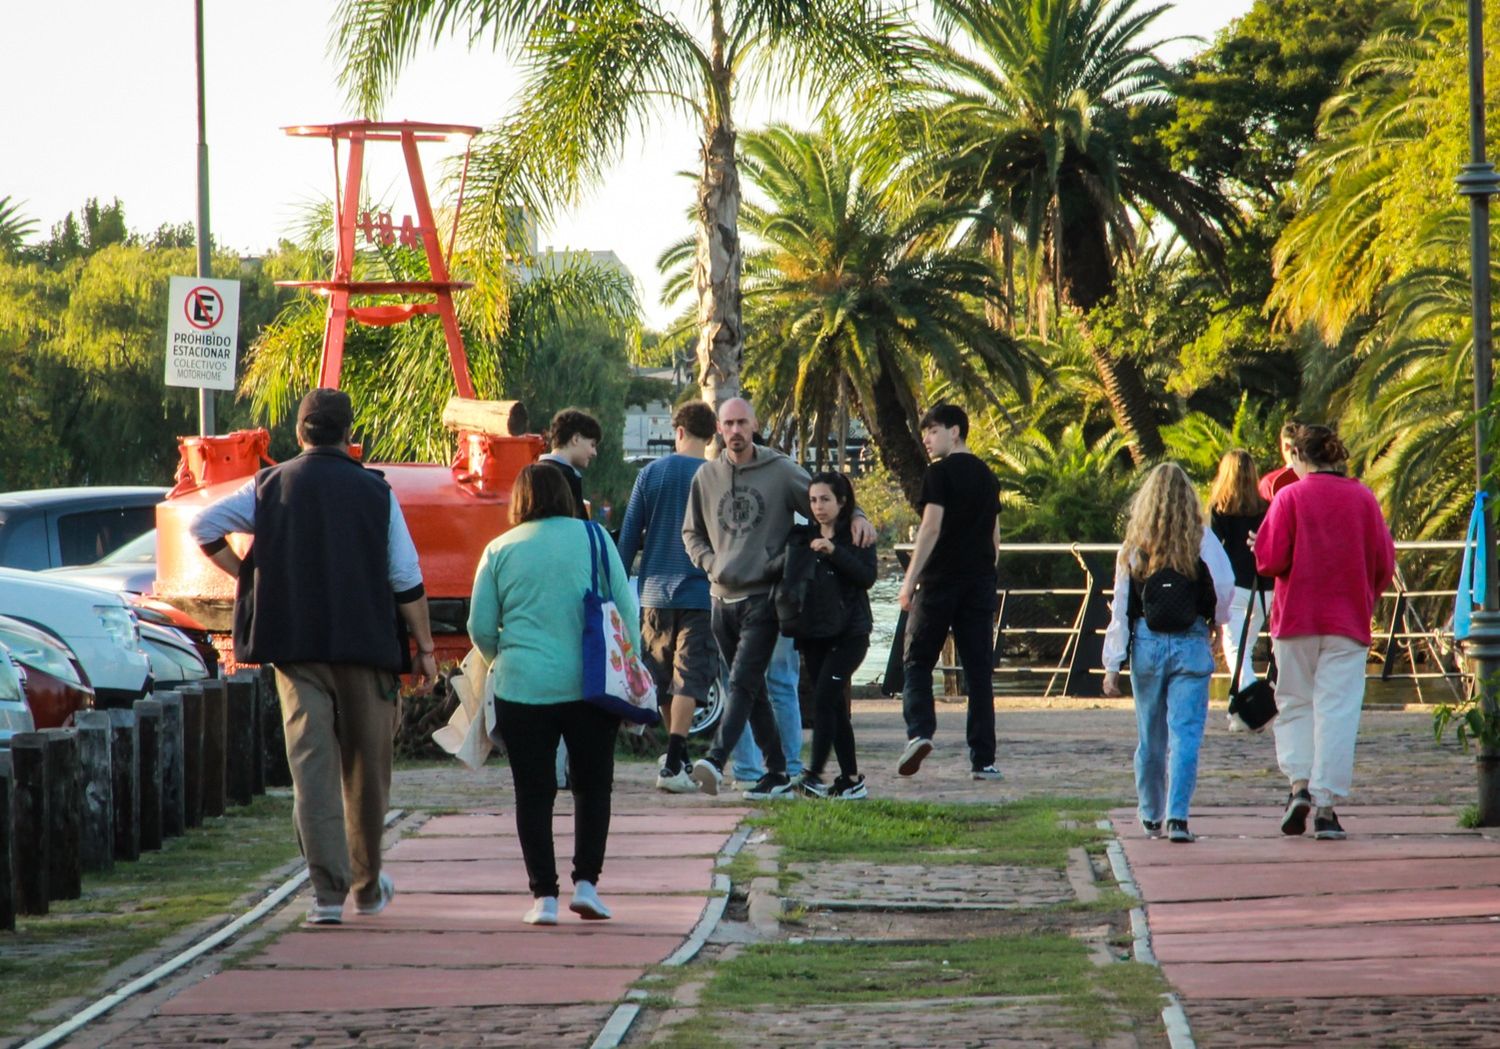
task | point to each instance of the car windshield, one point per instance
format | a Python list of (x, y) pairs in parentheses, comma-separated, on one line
[(139, 551)]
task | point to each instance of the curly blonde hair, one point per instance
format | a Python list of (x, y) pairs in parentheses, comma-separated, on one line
[(1166, 525), (1234, 490)]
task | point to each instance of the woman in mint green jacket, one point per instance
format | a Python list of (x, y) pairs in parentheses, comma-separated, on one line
[(526, 614)]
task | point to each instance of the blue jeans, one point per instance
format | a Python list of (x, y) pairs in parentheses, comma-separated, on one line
[(781, 687), (1169, 678)]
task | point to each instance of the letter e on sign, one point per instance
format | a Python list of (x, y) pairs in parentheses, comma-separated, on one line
[(203, 318)]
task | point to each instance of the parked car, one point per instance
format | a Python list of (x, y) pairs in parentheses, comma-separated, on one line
[(15, 715), (184, 629), (54, 682), (130, 568), (98, 625), (55, 527)]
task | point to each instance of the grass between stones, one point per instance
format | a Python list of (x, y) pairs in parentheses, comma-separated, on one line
[(1055, 957), (1028, 833), (130, 910)]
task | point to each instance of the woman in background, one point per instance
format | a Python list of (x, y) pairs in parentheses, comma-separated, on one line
[(1235, 511)]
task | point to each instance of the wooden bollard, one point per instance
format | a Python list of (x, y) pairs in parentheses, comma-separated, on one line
[(29, 840), (215, 730), (64, 815), (125, 769), (192, 755), (7, 882), (173, 811), (96, 848), (273, 732), (148, 748), (239, 740)]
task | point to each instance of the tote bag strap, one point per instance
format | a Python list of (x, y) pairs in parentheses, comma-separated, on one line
[(596, 555), (1239, 656)]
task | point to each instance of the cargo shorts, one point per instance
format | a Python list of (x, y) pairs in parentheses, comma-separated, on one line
[(680, 651)]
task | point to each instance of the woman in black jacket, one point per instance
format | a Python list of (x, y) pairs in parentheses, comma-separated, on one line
[(842, 575), (1235, 512)]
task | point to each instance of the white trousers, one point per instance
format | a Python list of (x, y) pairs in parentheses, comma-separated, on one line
[(1319, 693), (1230, 631)]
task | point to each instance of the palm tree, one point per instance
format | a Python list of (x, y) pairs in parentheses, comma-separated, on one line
[(857, 297), (1044, 126), (601, 69), (14, 227)]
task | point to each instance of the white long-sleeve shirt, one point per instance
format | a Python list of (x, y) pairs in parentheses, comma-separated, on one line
[(236, 513), (1117, 635)]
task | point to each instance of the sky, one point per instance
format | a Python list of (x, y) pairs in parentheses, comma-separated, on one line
[(100, 102)]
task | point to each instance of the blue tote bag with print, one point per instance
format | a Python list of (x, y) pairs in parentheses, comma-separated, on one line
[(613, 676)]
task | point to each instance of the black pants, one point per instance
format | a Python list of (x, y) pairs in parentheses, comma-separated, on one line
[(829, 664), (967, 608), (747, 631), (530, 732)]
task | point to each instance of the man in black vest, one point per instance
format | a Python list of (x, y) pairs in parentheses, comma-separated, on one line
[(327, 594)]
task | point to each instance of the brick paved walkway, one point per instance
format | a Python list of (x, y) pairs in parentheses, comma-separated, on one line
[(449, 963)]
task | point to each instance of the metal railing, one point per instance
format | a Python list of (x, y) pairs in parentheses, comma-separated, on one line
[(1056, 631)]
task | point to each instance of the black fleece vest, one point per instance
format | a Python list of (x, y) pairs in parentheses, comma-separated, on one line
[(316, 587)]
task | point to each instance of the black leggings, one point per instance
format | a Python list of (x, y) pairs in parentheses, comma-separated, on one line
[(829, 665), (530, 732)]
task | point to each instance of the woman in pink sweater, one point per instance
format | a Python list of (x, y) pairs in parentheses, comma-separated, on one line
[(1326, 544)]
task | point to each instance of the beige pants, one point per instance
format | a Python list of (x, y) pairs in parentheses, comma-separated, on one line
[(340, 725), (1319, 692)]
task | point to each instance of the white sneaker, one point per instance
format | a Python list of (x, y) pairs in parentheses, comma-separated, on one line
[(543, 911), (325, 914), (707, 776), (912, 757), (681, 783), (586, 903), (387, 891)]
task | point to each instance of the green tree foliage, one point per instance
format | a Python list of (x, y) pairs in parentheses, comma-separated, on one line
[(15, 227), (83, 334), (854, 294), (1042, 118)]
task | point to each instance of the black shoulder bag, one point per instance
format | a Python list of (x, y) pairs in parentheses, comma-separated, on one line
[(1254, 705)]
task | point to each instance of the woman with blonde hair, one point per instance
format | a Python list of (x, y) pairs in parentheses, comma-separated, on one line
[(1327, 545), (1172, 581), (1235, 511)]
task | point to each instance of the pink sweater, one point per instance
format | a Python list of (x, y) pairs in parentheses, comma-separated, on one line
[(1327, 544)]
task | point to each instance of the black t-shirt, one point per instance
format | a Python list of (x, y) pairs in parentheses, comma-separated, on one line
[(1234, 531), (969, 494)]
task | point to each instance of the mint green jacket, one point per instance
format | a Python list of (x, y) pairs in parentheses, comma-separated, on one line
[(526, 611)]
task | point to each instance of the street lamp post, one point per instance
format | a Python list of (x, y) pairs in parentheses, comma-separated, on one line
[(205, 259), (1479, 182)]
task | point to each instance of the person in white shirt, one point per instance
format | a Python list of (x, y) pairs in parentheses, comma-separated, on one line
[(1173, 582)]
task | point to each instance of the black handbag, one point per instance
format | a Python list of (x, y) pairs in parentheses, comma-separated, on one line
[(1254, 705)]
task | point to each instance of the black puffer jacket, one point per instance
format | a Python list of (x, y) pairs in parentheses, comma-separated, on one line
[(850, 570)]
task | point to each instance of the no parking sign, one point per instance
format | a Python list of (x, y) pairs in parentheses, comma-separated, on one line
[(203, 318)]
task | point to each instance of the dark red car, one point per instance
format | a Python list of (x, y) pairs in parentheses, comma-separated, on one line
[(55, 685)]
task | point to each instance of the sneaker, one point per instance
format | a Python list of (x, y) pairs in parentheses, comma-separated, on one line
[(586, 903), (543, 911), (1177, 831), (912, 757), (813, 786), (1327, 828), (679, 782), (707, 775), (1297, 806), (849, 788), (387, 891), (989, 772), (771, 785), (325, 914), (1152, 828)]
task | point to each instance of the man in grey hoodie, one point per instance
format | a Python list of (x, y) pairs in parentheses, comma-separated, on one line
[(738, 515)]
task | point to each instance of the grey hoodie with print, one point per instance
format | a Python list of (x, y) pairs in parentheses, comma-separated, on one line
[(738, 517)]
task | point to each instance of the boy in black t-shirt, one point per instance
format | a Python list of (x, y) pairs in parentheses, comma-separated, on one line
[(950, 584)]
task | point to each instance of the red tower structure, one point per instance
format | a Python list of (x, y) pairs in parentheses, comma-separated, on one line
[(453, 510)]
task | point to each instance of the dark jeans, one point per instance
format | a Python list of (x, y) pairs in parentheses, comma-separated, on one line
[(530, 732), (747, 631), (966, 607), (830, 663)]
